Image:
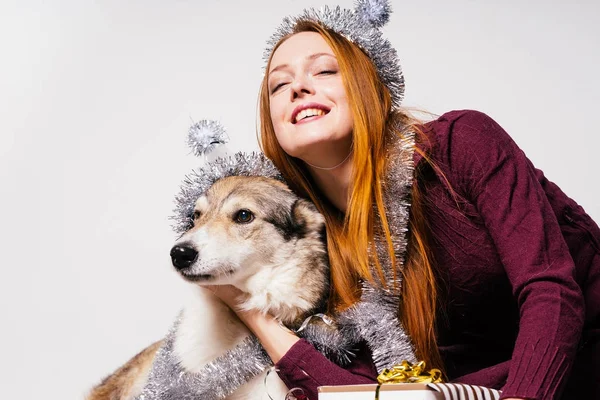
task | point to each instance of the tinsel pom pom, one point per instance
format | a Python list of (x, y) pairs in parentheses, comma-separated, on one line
[(373, 12), (205, 135)]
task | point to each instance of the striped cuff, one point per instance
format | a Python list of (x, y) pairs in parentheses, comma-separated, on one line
[(459, 391)]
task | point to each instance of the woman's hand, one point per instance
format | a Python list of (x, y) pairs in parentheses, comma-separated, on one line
[(275, 339), (228, 294)]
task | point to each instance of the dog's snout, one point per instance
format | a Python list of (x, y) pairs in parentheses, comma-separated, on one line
[(183, 256)]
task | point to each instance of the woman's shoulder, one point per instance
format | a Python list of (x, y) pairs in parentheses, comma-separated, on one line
[(464, 146), (470, 126), (473, 118), (465, 135)]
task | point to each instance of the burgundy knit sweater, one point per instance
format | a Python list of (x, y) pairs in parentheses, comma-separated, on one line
[(519, 272)]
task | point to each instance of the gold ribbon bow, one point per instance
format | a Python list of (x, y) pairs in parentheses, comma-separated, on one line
[(406, 372)]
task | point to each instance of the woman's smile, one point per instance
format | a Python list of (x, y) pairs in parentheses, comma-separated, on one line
[(308, 112)]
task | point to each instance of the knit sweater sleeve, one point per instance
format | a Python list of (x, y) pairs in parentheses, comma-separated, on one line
[(487, 166), (303, 367)]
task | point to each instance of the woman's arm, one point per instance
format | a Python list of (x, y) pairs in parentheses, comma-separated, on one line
[(275, 339), (485, 164), (297, 362)]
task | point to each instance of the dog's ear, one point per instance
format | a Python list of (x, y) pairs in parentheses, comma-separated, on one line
[(302, 219), (307, 218)]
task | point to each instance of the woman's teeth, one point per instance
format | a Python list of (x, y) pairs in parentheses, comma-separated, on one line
[(309, 112)]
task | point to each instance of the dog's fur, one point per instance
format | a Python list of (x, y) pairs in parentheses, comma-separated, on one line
[(278, 259)]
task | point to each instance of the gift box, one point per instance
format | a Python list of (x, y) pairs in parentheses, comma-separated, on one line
[(402, 391), (408, 391), (408, 381)]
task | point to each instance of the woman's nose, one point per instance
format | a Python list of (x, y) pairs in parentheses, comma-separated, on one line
[(301, 86)]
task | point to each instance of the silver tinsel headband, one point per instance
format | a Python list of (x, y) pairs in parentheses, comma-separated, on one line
[(362, 27), (198, 181)]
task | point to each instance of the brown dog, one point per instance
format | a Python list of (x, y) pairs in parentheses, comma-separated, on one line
[(255, 234)]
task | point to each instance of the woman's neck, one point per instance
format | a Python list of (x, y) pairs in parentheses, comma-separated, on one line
[(335, 183)]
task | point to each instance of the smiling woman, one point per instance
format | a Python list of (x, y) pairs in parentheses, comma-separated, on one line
[(97, 98), (478, 254)]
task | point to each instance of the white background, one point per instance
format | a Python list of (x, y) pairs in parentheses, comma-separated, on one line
[(95, 101)]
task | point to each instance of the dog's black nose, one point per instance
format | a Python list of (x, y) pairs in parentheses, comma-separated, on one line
[(183, 256)]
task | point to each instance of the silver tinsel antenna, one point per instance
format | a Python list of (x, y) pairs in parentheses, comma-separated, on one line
[(205, 136), (373, 12)]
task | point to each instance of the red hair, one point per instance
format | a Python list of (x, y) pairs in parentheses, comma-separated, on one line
[(349, 235)]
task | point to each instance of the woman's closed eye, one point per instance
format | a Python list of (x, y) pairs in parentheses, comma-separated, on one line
[(328, 72), (278, 86)]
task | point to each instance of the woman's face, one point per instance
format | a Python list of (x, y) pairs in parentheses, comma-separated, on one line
[(309, 107)]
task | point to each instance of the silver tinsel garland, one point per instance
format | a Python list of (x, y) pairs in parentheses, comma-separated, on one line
[(376, 315), (362, 27), (374, 319), (168, 381)]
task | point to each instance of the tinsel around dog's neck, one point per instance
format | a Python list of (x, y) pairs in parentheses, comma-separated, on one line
[(373, 319)]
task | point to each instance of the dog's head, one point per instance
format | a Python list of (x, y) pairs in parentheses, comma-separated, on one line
[(256, 234)]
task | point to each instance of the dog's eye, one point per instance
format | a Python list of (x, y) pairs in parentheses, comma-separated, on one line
[(244, 216), (196, 215)]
